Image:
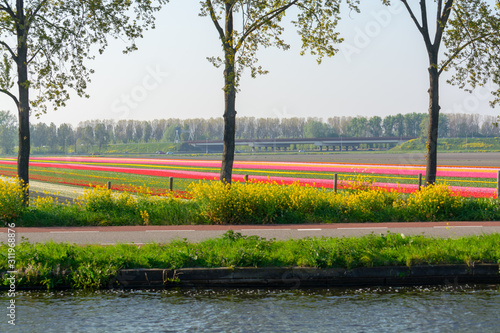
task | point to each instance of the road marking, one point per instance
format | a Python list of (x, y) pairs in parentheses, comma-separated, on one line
[(458, 226), (73, 232), (361, 228), (168, 230), (263, 229), (309, 229), (141, 244)]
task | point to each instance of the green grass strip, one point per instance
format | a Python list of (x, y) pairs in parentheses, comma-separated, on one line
[(49, 265)]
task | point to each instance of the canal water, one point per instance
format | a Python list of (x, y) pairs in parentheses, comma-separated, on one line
[(416, 309)]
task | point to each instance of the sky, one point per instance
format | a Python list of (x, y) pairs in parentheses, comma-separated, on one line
[(381, 69)]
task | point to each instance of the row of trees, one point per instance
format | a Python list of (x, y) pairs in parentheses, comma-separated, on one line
[(8, 130), (103, 132)]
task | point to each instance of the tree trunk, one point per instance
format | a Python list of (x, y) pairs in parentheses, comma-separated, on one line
[(24, 107), (229, 100), (229, 138), (432, 133)]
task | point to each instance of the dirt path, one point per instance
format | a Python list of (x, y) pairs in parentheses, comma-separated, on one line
[(61, 192), (56, 189)]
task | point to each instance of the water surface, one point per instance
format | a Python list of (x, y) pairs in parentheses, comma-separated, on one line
[(415, 309)]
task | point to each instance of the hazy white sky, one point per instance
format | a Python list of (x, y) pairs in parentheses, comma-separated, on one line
[(381, 69)]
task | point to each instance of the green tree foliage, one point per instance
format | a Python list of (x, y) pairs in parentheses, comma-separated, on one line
[(388, 125), (101, 136), (158, 129), (375, 126), (65, 136), (52, 137), (473, 46), (357, 127), (130, 131), (121, 131), (139, 131), (148, 131), (245, 26), (8, 125), (169, 134), (87, 137), (399, 125), (317, 129), (412, 123), (48, 43), (39, 135)]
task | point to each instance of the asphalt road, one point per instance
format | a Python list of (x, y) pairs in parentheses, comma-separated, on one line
[(195, 233)]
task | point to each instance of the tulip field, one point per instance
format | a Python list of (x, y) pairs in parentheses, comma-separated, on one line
[(127, 173)]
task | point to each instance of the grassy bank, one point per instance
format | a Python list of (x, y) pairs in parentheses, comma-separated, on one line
[(50, 265), (250, 203), (453, 145)]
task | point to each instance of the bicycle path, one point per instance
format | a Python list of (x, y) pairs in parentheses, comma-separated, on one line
[(195, 233)]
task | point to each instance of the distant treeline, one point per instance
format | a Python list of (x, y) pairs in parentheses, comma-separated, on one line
[(104, 132)]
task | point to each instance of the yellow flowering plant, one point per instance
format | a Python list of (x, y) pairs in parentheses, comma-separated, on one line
[(373, 205), (11, 199), (102, 199), (432, 203), (259, 202), (45, 202)]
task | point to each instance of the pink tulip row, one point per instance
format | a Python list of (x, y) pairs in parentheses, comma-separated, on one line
[(388, 169)]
